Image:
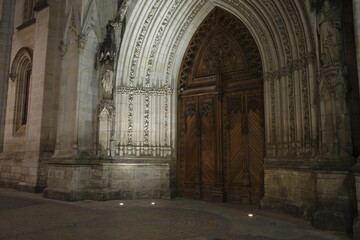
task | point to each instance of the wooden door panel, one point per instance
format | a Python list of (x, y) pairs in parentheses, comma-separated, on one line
[(208, 147), (255, 145), (236, 162), (190, 144), (207, 140), (221, 151), (237, 151)]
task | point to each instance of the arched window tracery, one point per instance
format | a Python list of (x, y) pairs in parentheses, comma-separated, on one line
[(21, 74)]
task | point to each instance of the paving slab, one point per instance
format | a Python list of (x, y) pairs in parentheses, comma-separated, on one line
[(28, 216)]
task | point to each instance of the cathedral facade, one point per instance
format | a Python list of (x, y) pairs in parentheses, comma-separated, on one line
[(243, 101)]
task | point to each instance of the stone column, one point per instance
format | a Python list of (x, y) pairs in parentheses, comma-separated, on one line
[(356, 224), (356, 8), (6, 27)]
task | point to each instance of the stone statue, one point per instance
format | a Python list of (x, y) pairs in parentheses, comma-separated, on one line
[(108, 48), (107, 83), (329, 26)]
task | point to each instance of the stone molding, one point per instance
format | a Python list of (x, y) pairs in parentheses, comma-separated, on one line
[(146, 91), (155, 151), (289, 69), (297, 67)]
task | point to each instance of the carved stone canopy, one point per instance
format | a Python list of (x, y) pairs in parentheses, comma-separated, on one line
[(107, 49)]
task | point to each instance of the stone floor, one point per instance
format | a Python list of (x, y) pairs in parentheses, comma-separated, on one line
[(29, 216)]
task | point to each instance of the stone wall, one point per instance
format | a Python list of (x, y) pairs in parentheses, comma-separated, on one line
[(6, 29), (28, 149), (356, 224), (292, 190), (105, 181), (334, 203), (324, 197)]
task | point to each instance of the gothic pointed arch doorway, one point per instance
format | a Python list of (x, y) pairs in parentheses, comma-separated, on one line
[(221, 116)]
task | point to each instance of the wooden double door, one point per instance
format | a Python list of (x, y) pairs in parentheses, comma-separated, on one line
[(222, 146), (220, 118)]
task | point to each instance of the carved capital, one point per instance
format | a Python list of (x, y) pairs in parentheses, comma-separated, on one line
[(12, 76), (334, 76), (82, 41), (63, 48)]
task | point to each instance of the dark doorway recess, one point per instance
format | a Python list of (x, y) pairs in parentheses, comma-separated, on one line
[(221, 114)]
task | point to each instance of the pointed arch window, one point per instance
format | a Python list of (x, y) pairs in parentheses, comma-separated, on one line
[(21, 75)]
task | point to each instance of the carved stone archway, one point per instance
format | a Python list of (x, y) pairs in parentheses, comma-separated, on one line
[(220, 121)]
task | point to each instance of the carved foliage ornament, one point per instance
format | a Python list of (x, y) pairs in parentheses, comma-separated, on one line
[(206, 108), (220, 19), (190, 110)]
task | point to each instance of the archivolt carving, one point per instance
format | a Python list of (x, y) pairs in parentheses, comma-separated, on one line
[(146, 91), (293, 63), (255, 24), (286, 43), (154, 48), (134, 62), (138, 44), (304, 61), (122, 10), (159, 34), (179, 37)]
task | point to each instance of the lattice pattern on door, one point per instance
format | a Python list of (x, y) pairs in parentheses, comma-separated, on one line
[(221, 122)]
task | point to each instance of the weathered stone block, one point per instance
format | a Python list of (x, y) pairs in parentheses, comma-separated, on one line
[(165, 184), (31, 179), (110, 181), (123, 174), (60, 173), (16, 169), (150, 184), (96, 174), (156, 174), (33, 171), (143, 194), (356, 228), (6, 169), (165, 194), (96, 183), (127, 194), (330, 220), (84, 174), (142, 175)]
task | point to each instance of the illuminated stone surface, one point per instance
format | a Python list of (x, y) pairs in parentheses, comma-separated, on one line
[(28, 216)]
